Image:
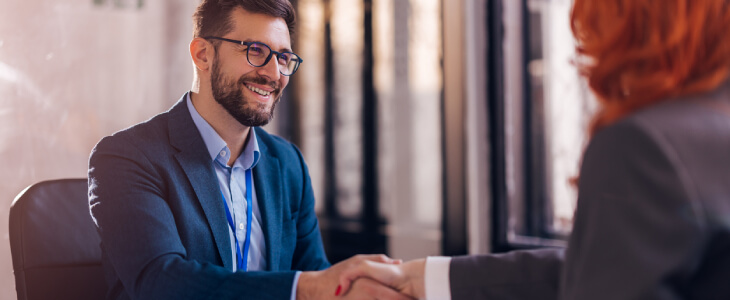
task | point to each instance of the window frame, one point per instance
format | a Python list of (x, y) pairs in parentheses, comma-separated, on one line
[(518, 173)]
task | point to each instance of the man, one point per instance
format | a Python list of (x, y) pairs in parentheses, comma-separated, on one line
[(199, 202)]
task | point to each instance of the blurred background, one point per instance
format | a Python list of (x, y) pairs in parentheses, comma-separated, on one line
[(430, 127)]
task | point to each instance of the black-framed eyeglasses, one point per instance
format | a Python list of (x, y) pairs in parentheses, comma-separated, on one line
[(258, 55)]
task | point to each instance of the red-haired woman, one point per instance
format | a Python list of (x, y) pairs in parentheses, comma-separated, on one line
[(653, 213), (653, 216)]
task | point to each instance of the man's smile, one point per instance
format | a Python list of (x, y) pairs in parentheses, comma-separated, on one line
[(259, 90)]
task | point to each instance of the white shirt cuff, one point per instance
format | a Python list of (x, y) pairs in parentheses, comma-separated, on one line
[(436, 278), (294, 286)]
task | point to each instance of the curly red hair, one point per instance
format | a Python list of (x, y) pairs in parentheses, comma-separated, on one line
[(635, 53)]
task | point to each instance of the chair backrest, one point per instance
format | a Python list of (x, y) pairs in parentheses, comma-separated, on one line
[(54, 243)]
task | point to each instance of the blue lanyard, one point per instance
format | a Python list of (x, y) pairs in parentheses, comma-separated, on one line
[(242, 260)]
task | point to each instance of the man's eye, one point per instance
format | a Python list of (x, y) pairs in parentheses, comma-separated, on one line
[(255, 50)]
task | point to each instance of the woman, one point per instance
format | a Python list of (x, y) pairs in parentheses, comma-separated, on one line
[(653, 216), (653, 213)]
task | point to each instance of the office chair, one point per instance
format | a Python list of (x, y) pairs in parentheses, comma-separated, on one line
[(54, 243)]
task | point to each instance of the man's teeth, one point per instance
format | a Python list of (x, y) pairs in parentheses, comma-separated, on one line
[(258, 91)]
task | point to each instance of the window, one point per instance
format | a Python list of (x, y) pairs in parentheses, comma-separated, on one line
[(545, 109), (369, 98)]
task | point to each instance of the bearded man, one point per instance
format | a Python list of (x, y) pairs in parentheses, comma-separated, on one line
[(199, 202)]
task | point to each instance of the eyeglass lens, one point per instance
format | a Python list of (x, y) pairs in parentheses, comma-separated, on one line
[(258, 53)]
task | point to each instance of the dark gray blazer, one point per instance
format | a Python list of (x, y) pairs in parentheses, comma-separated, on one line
[(652, 220)]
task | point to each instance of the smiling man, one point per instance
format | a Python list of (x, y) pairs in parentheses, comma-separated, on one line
[(199, 202)]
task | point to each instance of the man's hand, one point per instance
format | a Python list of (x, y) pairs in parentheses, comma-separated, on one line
[(322, 285), (368, 289), (407, 278)]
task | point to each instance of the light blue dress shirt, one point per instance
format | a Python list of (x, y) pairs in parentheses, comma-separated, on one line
[(232, 182)]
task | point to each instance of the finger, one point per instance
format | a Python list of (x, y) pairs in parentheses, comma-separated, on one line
[(381, 258), (375, 290), (363, 259), (351, 274), (386, 274)]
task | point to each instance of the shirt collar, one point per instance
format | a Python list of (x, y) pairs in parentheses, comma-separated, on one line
[(217, 147)]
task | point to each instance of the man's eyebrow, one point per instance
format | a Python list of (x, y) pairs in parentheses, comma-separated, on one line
[(260, 42)]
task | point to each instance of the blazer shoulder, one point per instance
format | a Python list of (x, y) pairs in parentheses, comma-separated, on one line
[(685, 116), (152, 133), (684, 125)]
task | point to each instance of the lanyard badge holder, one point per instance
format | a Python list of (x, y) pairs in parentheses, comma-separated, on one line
[(242, 259)]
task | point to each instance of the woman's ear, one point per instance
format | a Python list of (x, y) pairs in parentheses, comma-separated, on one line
[(201, 51)]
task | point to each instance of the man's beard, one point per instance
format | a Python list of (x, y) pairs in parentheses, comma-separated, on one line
[(229, 94)]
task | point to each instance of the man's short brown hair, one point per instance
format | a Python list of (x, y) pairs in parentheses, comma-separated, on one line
[(213, 17)]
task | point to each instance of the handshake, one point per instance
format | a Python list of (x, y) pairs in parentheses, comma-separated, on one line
[(365, 277)]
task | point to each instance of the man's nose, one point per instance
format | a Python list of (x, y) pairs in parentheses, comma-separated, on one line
[(270, 69)]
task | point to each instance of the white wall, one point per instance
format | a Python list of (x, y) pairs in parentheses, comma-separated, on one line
[(72, 72)]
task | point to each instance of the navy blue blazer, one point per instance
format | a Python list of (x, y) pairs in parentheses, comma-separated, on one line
[(154, 196)]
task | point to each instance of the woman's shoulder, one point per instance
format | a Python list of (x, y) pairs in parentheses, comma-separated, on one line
[(707, 113), (690, 136)]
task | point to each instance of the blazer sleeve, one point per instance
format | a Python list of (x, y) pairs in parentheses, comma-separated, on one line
[(636, 233), (140, 238), (527, 274)]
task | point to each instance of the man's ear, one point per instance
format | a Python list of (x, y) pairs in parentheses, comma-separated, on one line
[(201, 51)]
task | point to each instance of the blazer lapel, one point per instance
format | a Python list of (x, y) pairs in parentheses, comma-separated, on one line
[(195, 161), (268, 193)]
